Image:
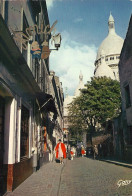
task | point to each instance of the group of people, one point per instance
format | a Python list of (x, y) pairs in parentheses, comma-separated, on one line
[(62, 151)]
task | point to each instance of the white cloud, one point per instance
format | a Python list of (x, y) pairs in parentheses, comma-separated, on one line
[(50, 3), (70, 59)]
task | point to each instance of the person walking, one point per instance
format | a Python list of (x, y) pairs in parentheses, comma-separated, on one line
[(82, 151), (72, 154), (95, 151), (60, 151)]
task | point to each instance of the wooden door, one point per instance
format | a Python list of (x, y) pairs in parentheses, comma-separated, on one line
[(2, 177)]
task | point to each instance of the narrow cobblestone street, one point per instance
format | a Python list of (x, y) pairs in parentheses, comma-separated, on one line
[(82, 176)]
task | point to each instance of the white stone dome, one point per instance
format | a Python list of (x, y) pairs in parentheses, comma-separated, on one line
[(104, 70), (113, 43), (68, 100)]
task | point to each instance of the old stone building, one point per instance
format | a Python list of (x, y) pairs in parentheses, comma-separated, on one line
[(56, 91), (123, 133), (26, 104)]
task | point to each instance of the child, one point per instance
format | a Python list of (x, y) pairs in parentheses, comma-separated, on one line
[(82, 152), (72, 154)]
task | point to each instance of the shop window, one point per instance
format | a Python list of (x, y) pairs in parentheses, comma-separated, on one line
[(130, 135), (127, 96), (24, 132)]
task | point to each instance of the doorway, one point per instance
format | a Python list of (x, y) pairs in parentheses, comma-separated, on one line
[(3, 174)]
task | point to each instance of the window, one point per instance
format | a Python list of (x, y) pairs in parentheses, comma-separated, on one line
[(24, 131), (6, 11), (127, 96), (106, 59), (37, 70), (118, 57), (112, 58), (130, 135), (111, 25), (25, 25)]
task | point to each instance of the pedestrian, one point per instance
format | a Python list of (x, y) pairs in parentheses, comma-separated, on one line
[(100, 150), (69, 152), (72, 154), (60, 151), (95, 151), (82, 151)]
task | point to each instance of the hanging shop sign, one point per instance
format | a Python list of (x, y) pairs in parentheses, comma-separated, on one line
[(40, 51)]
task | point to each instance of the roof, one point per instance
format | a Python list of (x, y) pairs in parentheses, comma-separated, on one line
[(104, 70), (113, 43)]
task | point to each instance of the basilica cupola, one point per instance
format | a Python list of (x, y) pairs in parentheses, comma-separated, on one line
[(103, 69), (111, 46)]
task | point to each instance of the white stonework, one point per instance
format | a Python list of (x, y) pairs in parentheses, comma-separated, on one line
[(77, 93), (80, 86), (69, 99), (111, 47), (10, 136), (104, 70)]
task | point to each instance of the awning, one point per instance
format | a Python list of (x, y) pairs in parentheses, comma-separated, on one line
[(5, 90), (45, 102)]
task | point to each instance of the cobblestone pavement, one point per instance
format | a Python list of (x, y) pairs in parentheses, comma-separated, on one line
[(44, 182), (88, 177), (80, 177)]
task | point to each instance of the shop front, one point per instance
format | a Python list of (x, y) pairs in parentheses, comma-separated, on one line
[(3, 173)]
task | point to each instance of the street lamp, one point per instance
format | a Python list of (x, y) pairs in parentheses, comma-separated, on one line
[(57, 41)]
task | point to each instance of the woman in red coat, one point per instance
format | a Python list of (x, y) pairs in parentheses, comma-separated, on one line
[(60, 151), (82, 151)]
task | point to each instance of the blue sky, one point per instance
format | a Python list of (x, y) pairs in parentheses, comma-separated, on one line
[(83, 25)]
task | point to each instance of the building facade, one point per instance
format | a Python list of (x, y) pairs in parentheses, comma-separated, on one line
[(26, 103), (125, 73), (56, 91)]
